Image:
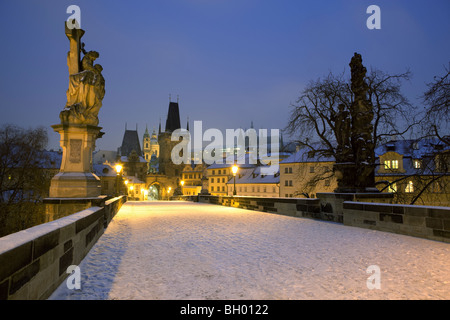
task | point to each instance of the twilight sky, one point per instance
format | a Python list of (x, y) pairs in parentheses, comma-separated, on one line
[(230, 61)]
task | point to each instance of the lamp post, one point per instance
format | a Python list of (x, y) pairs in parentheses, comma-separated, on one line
[(234, 169), (182, 184), (118, 170)]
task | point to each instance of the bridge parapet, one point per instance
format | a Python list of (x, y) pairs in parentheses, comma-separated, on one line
[(371, 211), (33, 262)]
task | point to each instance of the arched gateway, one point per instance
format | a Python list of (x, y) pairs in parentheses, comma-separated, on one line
[(160, 187)]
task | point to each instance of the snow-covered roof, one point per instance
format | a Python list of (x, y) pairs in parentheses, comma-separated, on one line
[(104, 170), (125, 159), (133, 180), (305, 155), (255, 176)]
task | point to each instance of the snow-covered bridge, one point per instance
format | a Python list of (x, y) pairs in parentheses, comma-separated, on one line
[(185, 250)]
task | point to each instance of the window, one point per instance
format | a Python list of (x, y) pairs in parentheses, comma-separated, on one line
[(223, 188), (409, 187), (286, 183), (392, 187), (223, 180), (286, 170), (224, 171), (273, 189), (212, 188), (417, 164), (257, 189), (264, 189), (290, 183), (212, 180), (437, 187), (220, 171), (214, 172), (394, 164), (391, 164)]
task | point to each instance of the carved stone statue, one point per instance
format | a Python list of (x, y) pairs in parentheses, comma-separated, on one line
[(86, 84), (355, 156), (79, 129), (362, 128), (343, 132)]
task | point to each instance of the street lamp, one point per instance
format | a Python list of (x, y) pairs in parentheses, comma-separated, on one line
[(234, 169), (182, 184), (118, 168)]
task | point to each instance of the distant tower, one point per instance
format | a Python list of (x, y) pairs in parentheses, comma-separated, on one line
[(146, 147), (166, 166), (130, 142), (154, 145)]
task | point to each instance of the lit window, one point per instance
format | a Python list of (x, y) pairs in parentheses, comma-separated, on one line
[(394, 164), (387, 164), (409, 187), (392, 187), (417, 164)]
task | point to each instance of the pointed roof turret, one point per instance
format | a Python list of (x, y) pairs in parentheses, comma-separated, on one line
[(173, 117), (146, 134)]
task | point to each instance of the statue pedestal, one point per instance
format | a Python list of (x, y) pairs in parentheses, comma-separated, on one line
[(75, 179)]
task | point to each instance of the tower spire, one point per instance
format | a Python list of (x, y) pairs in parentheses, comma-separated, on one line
[(187, 125)]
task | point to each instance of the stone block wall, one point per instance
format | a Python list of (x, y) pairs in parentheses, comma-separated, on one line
[(308, 208), (33, 262), (419, 221)]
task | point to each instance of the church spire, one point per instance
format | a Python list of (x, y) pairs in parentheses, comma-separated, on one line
[(159, 130)]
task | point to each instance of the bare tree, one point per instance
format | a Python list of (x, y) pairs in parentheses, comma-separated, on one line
[(312, 118), (315, 119), (23, 183), (437, 101)]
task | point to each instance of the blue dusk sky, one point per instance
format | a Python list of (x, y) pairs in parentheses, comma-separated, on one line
[(230, 61)]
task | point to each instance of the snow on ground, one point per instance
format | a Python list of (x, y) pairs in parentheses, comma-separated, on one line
[(184, 250)]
